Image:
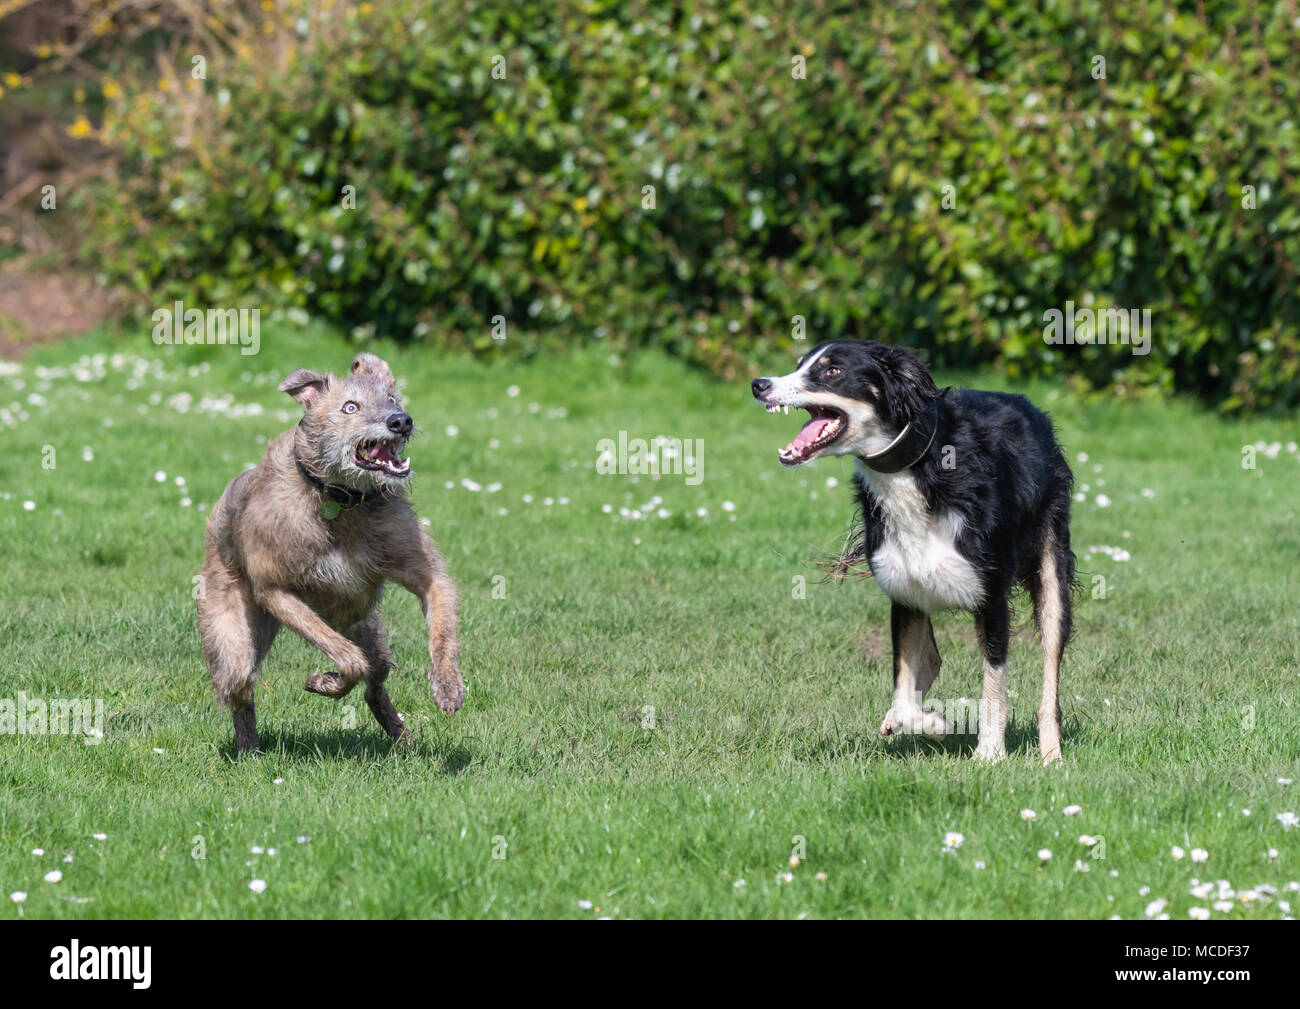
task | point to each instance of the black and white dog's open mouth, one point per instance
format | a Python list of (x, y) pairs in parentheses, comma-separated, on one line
[(384, 455), (824, 426)]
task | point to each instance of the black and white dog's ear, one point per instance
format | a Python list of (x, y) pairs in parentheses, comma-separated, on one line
[(909, 389)]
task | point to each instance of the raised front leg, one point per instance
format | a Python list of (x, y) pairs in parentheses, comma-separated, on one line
[(916, 667), (422, 574), (993, 626), (349, 657)]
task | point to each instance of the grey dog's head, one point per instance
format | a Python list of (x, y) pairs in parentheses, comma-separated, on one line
[(354, 430)]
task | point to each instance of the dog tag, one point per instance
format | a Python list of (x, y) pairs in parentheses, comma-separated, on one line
[(329, 509)]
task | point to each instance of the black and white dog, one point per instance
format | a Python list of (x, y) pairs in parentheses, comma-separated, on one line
[(964, 494)]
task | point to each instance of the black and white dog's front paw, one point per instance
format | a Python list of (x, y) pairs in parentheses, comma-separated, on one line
[(915, 721)]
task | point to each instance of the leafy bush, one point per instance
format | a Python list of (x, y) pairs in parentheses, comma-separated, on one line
[(775, 197)]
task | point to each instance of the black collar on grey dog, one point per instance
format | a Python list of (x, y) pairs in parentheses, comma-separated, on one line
[(911, 445), (346, 497)]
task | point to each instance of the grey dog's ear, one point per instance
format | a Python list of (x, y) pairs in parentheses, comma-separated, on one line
[(305, 386), (374, 367)]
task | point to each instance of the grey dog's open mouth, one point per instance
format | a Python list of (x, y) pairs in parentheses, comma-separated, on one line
[(824, 427), (384, 455)]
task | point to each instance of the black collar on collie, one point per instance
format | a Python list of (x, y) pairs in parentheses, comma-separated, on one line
[(911, 445), (345, 497)]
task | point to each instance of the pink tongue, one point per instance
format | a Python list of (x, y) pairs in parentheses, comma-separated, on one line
[(811, 432)]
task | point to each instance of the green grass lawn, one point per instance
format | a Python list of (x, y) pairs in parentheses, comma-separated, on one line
[(552, 788)]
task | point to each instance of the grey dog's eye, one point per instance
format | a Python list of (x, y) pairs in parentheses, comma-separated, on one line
[(349, 407)]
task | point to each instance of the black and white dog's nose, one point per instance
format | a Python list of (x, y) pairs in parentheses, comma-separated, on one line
[(760, 387), (400, 423)]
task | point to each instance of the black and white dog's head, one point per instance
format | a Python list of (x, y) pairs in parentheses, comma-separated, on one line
[(861, 396)]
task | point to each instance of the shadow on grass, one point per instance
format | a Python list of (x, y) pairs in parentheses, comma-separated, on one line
[(361, 745), (1022, 739)]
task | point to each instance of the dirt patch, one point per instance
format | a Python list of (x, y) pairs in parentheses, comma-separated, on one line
[(44, 306), (875, 645)]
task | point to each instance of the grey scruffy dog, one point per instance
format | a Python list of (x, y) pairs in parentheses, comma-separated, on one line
[(308, 537)]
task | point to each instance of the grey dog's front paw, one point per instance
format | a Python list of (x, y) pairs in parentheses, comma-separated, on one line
[(449, 694), (327, 685)]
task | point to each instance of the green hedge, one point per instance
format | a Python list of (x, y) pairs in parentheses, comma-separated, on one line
[(775, 197)]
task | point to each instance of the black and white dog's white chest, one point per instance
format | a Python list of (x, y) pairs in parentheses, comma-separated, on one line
[(913, 552)]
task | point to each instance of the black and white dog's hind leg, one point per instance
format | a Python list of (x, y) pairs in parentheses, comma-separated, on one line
[(1051, 590), (916, 667)]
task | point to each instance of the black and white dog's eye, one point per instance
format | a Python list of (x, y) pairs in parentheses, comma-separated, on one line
[(830, 372), (349, 407)]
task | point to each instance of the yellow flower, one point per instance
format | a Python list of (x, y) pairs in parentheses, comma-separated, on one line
[(164, 84), (80, 128), (44, 51), (366, 8), (13, 80), (2, 92), (111, 90), (268, 5)]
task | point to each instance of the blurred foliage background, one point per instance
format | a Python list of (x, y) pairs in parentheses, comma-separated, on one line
[(419, 168)]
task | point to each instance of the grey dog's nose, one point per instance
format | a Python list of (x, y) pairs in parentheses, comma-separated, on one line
[(760, 387), (400, 423)]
